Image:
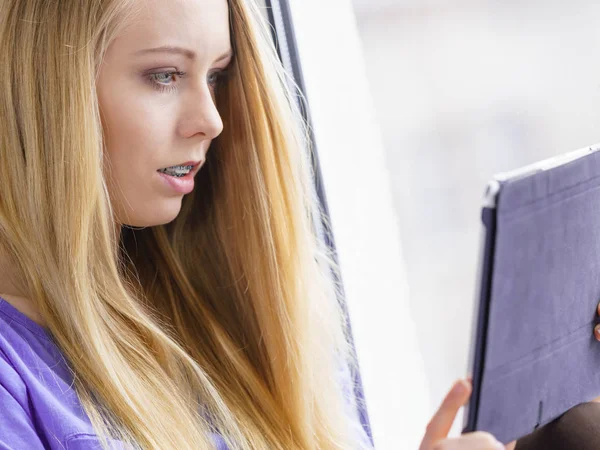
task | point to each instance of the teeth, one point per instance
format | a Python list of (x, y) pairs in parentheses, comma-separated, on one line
[(177, 171)]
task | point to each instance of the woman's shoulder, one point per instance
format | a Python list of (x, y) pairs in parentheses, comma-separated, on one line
[(24, 344), (40, 406)]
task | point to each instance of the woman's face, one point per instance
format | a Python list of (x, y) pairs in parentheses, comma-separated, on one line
[(158, 106)]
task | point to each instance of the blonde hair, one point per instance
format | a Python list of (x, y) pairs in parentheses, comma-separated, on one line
[(224, 320)]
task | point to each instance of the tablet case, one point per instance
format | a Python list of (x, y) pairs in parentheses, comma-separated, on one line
[(534, 355)]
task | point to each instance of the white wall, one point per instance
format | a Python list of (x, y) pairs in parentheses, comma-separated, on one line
[(357, 182)]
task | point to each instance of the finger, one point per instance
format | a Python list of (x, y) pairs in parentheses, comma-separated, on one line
[(441, 422), (511, 446), (471, 441), (597, 332)]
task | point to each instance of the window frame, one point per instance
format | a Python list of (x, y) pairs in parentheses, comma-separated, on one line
[(282, 29)]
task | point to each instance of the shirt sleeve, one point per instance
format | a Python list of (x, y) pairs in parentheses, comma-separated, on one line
[(16, 427)]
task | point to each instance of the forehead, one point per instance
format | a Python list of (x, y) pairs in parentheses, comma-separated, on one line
[(201, 25)]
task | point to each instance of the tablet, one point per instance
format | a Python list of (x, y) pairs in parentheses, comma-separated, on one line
[(533, 353)]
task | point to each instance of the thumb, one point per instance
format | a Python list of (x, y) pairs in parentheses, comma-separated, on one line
[(441, 422)]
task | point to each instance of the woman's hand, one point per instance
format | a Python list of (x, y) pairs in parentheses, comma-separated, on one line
[(437, 430), (439, 426)]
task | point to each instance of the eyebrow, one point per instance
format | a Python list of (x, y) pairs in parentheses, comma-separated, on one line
[(190, 54)]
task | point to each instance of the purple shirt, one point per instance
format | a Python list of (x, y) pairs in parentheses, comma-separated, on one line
[(39, 409)]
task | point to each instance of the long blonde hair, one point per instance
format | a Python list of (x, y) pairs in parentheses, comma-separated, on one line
[(224, 320)]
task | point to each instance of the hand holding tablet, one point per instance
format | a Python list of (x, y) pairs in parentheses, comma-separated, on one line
[(535, 352)]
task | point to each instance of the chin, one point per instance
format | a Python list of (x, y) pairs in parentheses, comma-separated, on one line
[(160, 214)]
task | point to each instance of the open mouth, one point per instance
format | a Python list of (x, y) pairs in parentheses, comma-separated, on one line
[(177, 171)]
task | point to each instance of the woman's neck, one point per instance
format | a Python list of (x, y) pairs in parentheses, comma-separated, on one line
[(24, 306), (10, 292)]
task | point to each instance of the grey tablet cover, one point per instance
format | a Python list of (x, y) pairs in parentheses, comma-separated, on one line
[(534, 355)]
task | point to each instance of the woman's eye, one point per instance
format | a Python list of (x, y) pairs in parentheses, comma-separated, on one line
[(217, 78), (165, 81), (160, 80)]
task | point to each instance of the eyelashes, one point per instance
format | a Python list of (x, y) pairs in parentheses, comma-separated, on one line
[(158, 79)]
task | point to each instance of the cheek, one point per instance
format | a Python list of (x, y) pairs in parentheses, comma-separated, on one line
[(139, 130), (137, 133), (128, 130)]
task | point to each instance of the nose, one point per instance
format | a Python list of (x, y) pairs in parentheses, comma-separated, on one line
[(201, 116)]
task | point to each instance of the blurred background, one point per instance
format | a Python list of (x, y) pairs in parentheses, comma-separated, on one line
[(463, 89)]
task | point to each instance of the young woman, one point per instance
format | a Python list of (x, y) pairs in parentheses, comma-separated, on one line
[(161, 284)]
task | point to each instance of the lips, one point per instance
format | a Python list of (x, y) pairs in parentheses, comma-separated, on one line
[(196, 166)]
